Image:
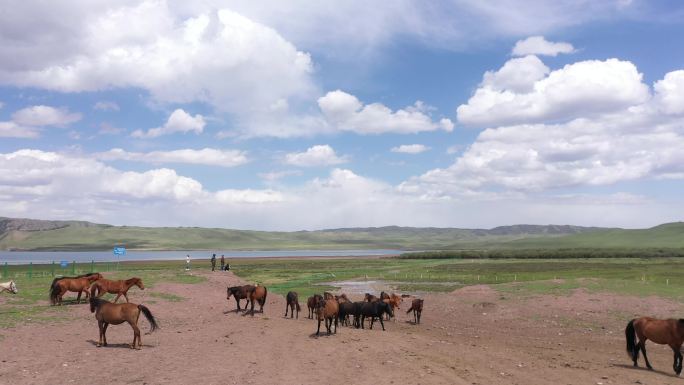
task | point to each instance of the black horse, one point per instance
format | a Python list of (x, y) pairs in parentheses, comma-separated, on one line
[(371, 309), (346, 310)]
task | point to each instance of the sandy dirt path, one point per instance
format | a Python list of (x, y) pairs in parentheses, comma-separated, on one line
[(470, 336)]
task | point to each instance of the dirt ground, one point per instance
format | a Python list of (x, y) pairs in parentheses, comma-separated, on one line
[(474, 335)]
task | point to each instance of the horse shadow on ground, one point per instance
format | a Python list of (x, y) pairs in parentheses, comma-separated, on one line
[(322, 335), (411, 322), (119, 345), (645, 369)]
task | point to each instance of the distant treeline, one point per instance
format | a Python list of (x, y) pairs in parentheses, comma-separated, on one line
[(545, 253)]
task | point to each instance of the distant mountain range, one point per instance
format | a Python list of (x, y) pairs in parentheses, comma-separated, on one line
[(33, 234)]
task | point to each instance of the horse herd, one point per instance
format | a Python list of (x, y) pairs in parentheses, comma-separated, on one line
[(329, 308)]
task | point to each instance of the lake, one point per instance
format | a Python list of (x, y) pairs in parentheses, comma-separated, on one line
[(20, 257)]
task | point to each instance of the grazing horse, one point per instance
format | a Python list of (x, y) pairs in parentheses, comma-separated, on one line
[(327, 310), (292, 304), (374, 309), (258, 293), (664, 332), (417, 307), (311, 304), (9, 286), (346, 309), (119, 287), (54, 281), (77, 285), (239, 292), (116, 313)]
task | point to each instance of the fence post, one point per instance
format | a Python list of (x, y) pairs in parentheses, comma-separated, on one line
[(30, 270), (53, 268), (73, 268)]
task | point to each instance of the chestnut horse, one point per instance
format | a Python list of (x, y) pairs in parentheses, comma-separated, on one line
[(327, 310), (417, 308), (292, 303), (120, 287), (258, 293), (393, 300), (311, 303), (239, 292), (54, 281), (116, 313), (77, 285), (664, 332)]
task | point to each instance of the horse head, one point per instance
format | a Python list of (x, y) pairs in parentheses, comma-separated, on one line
[(139, 283), (13, 287)]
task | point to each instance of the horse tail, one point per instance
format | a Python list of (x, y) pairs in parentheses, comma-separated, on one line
[(93, 289), (262, 301), (149, 316), (630, 335), (54, 281), (54, 293)]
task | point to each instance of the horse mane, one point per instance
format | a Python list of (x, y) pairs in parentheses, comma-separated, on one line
[(132, 280), (98, 301)]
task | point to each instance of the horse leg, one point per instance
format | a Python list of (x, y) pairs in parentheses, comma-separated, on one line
[(125, 296), (677, 366), (78, 297), (419, 313), (335, 324), (643, 351), (136, 336), (100, 328), (363, 320), (104, 333), (252, 307), (287, 306), (318, 331), (382, 323), (117, 297), (372, 321), (238, 303)]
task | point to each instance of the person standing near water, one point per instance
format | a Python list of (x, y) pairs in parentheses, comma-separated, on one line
[(187, 262), (213, 262), (223, 262)]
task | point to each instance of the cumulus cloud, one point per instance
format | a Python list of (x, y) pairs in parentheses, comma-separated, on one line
[(319, 155), (273, 176), (178, 55), (105, 105), (537, 45), (38, 116), (577, 90), (205, 156), (179, 121), (13, 130), (410, 148), (347, 113)]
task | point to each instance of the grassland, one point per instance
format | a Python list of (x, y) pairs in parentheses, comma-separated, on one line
[(31, 303)]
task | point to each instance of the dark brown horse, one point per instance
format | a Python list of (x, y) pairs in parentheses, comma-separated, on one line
[(120, 287), (311, 303), (77, 285), (239, 292), (661, 331), (368, 297), (258, 294), (417, 308), (327, 310), (116, 313), (292, 299)]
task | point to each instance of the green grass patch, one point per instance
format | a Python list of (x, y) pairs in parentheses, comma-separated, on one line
[(167, 296)]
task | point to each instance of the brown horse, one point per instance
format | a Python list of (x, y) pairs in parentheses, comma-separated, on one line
[(327, 310), (239, 292), (258, 294), (664, 332), (77, 285), (116, 313), (368, 297), (292, 299), (394, 301), (119, 287), (417, 308), (311, 303)]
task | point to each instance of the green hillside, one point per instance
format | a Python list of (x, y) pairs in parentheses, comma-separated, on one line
[(29, 234)]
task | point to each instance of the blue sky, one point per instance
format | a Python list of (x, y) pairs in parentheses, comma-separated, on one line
[(308, 115)]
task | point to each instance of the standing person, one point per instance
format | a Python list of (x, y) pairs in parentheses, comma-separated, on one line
[(223, 262), (213, 262), (187, 262)]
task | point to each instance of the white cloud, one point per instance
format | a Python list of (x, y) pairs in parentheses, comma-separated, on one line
[(179, 121), (319, 155), (108, 129), (105, 105), (347, 113), (38, 116), (13, 130), (577, 90), (178, 55), (670, 92), (277, 175), (410, 148), (517, 75), (537, 45), (206, 156)]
